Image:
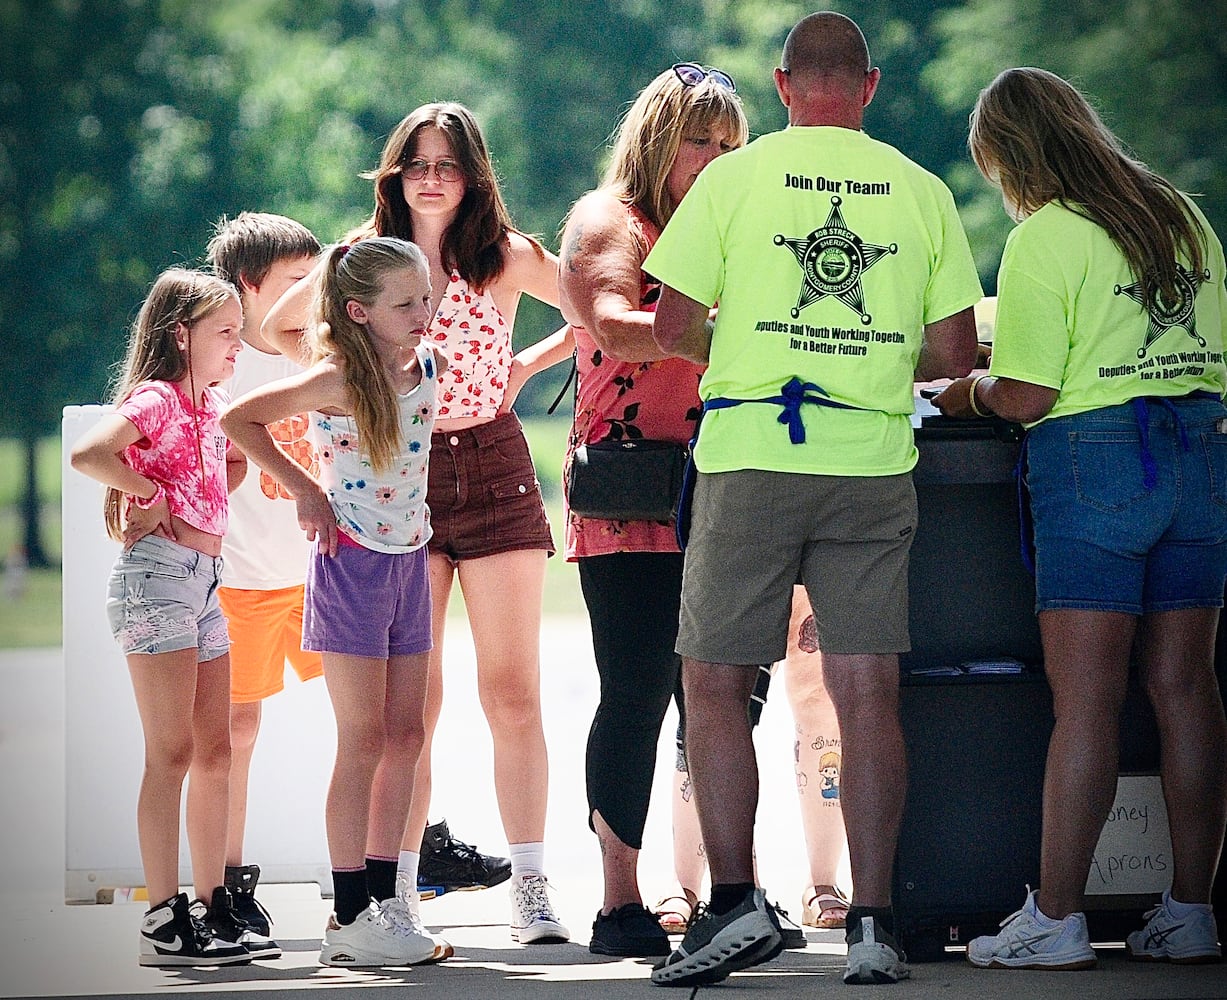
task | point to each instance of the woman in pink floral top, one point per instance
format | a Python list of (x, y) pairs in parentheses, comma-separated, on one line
[(631, 571), (168, 470)]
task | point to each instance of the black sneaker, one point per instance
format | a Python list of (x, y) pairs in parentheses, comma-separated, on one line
[(226, 925), (716, 946), (447, 865), (171, 935), (629, 931), (792, 936), (241, 881)]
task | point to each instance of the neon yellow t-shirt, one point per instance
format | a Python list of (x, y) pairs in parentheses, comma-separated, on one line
[(1070, 317), (828, 252)]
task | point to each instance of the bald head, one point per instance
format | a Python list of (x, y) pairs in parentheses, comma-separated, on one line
[(826, 44), (826, 77)]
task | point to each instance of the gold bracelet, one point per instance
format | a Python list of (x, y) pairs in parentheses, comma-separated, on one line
[(971, 396)]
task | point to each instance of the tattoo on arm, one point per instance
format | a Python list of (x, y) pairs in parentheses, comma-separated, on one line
[(572, 248)]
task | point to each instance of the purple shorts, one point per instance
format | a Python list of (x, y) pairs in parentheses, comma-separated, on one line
[(366, 603)]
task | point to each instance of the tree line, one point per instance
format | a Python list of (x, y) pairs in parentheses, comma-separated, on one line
[(128, 128)]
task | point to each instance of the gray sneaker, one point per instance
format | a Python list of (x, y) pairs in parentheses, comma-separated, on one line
[(717, 946), (1190, 940), (874, 956)]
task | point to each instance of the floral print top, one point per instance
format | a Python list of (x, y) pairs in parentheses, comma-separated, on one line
[(387, 513), (477, 341), (656, 400), (182, 448)]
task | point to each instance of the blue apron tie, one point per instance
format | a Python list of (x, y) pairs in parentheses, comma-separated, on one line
[(793, 393)]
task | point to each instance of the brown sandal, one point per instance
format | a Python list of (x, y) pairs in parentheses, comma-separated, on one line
[(824, 906), (674, 912)]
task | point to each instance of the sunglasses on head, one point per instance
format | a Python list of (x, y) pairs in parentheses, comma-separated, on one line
[(692, 74)]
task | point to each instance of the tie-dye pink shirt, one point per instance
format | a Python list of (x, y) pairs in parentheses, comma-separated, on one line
[(177, 439)]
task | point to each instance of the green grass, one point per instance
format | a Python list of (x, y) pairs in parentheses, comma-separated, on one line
[(32, 616)]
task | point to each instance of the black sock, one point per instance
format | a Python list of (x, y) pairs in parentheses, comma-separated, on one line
[(381, 878), (349, 894), (883, 917), (728, 896)]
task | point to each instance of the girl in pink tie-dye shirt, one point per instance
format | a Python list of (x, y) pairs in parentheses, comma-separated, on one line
[(168, 470)]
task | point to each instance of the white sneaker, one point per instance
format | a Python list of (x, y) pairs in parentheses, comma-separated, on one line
[(532, 918), (406, 918), (1024, 944), (1190, 940), (381, 936), (875, 957)]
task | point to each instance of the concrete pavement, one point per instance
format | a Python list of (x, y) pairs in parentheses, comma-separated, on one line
[(48, 948)]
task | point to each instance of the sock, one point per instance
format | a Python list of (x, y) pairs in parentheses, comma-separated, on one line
[(728, 896), (407, 865), (883, 919), (349, 893), (1042, 918), (527, 859), (1181, 910), (381, 877)]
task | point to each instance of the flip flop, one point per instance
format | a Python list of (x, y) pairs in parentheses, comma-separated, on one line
[(674, 912), (824, 906)]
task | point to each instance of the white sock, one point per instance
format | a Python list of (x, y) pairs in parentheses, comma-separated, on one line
[(1180, 910), (407, 865), (1043, 919), (527, 859)]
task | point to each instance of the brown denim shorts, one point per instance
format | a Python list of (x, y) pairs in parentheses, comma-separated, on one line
[(483, 492)]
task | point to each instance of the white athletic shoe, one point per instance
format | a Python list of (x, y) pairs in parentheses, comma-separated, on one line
[(533, 920), (1024, 943), (382, 935), (1190, 940)]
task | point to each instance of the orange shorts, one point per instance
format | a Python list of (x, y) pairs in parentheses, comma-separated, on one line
[(265, 632)]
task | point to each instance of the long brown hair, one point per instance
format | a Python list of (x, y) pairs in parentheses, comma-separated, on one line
[(1037, 138), (475, 243), (178, 295), (646, 141), (356, 273)]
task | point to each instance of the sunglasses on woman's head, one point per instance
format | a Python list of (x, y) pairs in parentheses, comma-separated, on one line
[(692, 74)]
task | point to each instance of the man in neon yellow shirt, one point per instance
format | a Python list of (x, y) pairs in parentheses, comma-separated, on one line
[(842, 273)]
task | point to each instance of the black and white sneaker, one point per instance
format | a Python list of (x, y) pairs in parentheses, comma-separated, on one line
[(717, 946), (241, 881), (172, 936), (447, 865), (226, 925)]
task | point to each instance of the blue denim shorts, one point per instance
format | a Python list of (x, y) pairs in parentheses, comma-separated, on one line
[(162, 597), (1106, 539)]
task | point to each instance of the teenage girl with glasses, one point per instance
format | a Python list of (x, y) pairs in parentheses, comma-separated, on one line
[(435, 185)]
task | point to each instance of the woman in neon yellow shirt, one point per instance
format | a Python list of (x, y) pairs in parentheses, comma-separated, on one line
[(1109, 345)]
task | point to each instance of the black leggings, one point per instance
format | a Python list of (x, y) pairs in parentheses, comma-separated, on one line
[(633, 601)]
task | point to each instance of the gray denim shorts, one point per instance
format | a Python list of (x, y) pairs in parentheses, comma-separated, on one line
[(162, 597)]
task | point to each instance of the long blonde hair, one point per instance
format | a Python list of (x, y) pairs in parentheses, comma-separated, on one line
[(356, 273), (1037, 138), (646, 141), (178, 295)]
